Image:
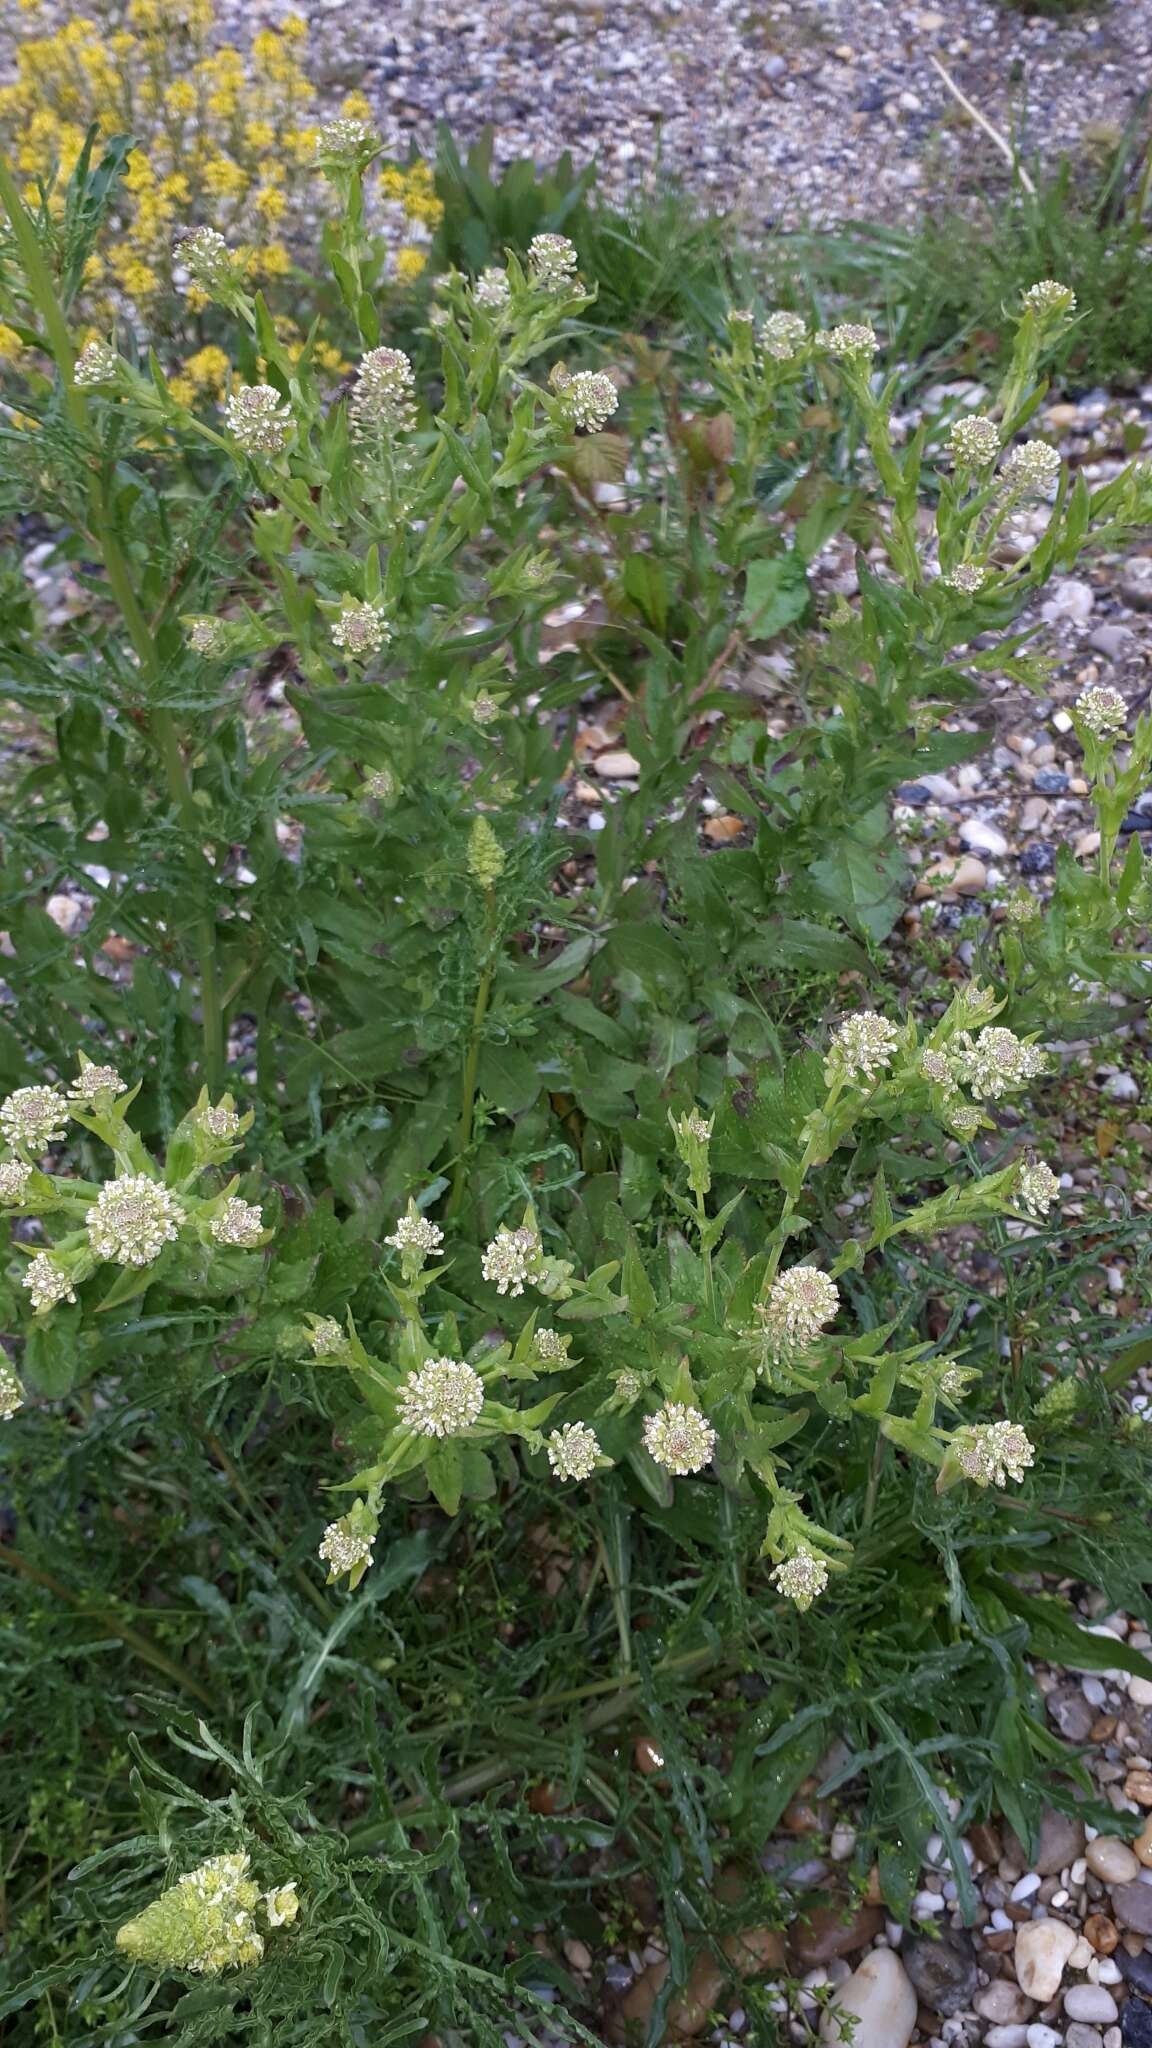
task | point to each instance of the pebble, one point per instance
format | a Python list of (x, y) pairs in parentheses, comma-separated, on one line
[(967, 876), (879, 1996), (1069, 601), (616, 767), (1135, 584), (1112, 641), (829, 1931), (1132, 1906), (1109, 1858), (1072, 1714), (1136, 2022), (1140, 1689), (1028, 1884), (1042, 1949), (1136, 1970), (984, 837), (1006, 2037), (1093, 2003), (1038, 859), (1040, 2036), (1126, 1088), (942, 1969), (1080, 2036), (1002, 2002), (1142, 1846)]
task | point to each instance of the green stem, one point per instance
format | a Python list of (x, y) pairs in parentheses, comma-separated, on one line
[(163, 727), (469, 1076), (706, 1256)]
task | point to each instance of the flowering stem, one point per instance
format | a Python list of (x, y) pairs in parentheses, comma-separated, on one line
[(162, 724), (706, 1256)]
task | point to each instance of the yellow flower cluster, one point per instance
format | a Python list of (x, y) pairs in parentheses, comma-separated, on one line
[(226, 137)]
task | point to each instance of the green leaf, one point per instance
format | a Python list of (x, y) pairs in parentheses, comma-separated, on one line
[(775, 595)]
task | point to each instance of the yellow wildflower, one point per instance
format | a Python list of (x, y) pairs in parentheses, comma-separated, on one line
[(410, 263), (11, 346)]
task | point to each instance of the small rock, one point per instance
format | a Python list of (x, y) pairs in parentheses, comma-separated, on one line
[(1142, 1846), (1121, 1088), (943, 1971), (1092, 2003), (880, 1999), (1038, 859), (983, 837), (1136, 583), (1136, 1970), (1061, 1841), (1006, 2037), (1111, 1859), (966, 875), (1080, 2036), (1110, 640), (829, 1931), (1050, 782), (1003, 2003), (1132, 1906), (1039, 2036), (1140, 1690), (1069, 601), (1136, 2021), (618, 766), (1042, 1949), (1100, 1933), (1072, 1715), (65, 911)]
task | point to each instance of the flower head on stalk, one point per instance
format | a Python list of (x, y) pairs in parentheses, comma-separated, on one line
[(361, 629), (384, 400), (11, 1392), (346, 1546), (239, 1223), (1048, 297), (512, 1258), (974, 442), (1037, 1187), (801, 1301), (862, 1047), (416, 1239), (801, 1577), (47, 1282), (574, 1451), (552, 264), (132, 1219), (590, 399), (15, 1175), (1102, 711), (991, 1453), (205, 1923), (33, 1118), (492, 289), (995, 1061), (258, 419), (97, 363), (783, 335), (1030, 469), (443, 1398), (679, 1437), (96, 1086)]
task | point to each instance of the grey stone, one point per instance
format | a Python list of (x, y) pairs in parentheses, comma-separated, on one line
[(1061, 1834), (943, 1971), (1132, 1906), (1072, 1715)]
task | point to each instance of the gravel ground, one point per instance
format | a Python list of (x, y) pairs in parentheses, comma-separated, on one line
[(817, 111)]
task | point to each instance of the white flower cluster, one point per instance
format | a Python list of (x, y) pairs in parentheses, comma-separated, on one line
[(1037, 1187), (206, 257), (991, 1453), (384, 398), (552, 1347), (492, 289), (207, 636), (783, 335), (219, 1122), (1031, 468), (935, 1067), (14, 1178), (416, 1234), (47, 1283), (967, 578), (679, 1438), (11, 1392), (93, 1082), (1048, 296), (326, 1337), (801, 1577), (512, 1258), (97, 363), (239, 1223), (346, 140), (33, 1118), (974, 441), (257, 419), (862, 1047), (204, 1923), (344, 1548), (995, 1061), (800, 1303), (443, 1398), (132, 1219), (851, 340), (573, 1451), (1103, 711), (552, 263), (590, 399), (361, 629), (381, 784)]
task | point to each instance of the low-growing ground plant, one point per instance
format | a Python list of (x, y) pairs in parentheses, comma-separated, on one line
[(598, 1331)]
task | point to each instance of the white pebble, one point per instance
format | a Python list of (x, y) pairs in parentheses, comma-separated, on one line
[(1043, 2037), (1028, 1884), (1140, 1690), (1090, 2002)]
